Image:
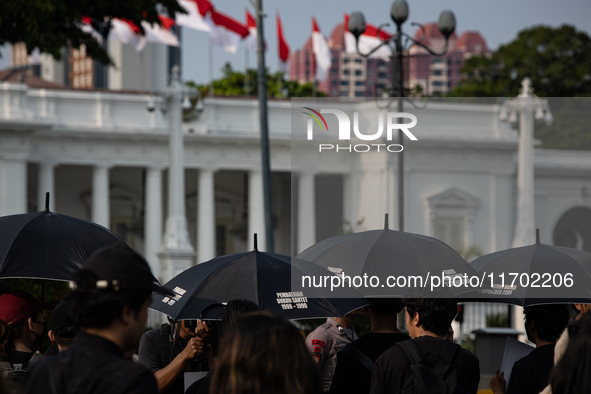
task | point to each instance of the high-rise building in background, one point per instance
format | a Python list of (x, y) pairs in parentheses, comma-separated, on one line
[(352, 75), (440, 74), (146, 70)]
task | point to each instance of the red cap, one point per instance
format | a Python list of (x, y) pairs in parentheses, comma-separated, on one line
[(18, 305)]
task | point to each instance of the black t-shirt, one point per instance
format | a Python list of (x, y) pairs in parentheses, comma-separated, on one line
[(350, 376), (150, 356), (90, 365), (392, 368), (530, 374)]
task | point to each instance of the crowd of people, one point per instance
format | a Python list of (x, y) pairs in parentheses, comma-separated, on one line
[(100, 345)]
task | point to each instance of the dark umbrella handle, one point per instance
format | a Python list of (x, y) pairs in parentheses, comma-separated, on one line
[(47, 202)]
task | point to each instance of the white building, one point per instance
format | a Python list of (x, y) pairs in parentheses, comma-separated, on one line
[(103, 157)]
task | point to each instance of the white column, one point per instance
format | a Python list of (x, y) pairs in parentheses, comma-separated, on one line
[(153, 219), (100, 196), (46, 184), (256, 211), (306, 211), (206, 216), (13, 186), (351, 191), (176, 253)]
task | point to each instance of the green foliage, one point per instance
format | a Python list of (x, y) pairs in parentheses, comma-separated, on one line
[(235, 84), (52, 24), (570, 129), (497, 320), (558, 61)]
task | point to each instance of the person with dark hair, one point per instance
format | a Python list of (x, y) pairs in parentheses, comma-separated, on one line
[(571, 373), (110, 305), (428, 321), (22, 326), (62, 331), (233, 310), (327, 340), (355, 362), (543, 324), (264, 353)]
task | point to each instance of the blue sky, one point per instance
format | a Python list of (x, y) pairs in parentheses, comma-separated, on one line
[(498, 21)]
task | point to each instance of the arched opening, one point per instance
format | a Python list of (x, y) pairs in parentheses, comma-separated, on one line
[(573, 230)]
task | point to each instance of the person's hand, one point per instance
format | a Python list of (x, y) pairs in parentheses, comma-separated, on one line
[(194, 348), (203, 330), (497, 383)]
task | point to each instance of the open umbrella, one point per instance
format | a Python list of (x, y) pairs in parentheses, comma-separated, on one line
[(46, 245), (536, 274), (400, 262), (272, 281)]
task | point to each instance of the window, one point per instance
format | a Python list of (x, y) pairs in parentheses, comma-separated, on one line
[(370, 73), (381, 74), (347, 72), (358, 61), (436, 83), (360, 83), (451, 231), (437, 72), (345, 82), (358, 73), (452, 218), (358, 93), (436, 61), (344, 93), (346, 60)]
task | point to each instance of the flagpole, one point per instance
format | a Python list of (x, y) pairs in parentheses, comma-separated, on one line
[(265, 156), (246, 81), (210, 68)]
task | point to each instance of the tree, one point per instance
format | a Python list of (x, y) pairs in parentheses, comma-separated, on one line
[(558, 61), (51, 24), (233, 84)]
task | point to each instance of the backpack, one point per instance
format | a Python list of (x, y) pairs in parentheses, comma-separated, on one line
[(13, 375), (440, 378)]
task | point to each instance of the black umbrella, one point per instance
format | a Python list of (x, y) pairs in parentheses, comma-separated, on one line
[(272, 281), (389, 255), (46, 245), (536, 274)]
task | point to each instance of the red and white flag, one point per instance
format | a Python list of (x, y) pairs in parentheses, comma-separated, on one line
[(86, 26), (226, 31), (161, 34), (282, 47), (195, 18), (128, 33), (251, 25), (367, 41), (321, 52)]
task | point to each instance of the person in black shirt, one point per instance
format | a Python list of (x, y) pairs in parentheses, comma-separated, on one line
[(544, 324), (110, 305), (184, 349), (428, 321), (352, 373)]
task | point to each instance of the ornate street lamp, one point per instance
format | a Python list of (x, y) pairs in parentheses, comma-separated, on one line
[(525, 108), (176, 252), (399, 14)]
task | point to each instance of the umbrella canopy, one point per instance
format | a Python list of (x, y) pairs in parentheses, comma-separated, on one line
[(388, 253), (46, 245), (536, 274), (272, 281)]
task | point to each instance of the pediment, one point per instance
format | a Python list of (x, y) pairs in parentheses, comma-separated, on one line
[(453, 197)]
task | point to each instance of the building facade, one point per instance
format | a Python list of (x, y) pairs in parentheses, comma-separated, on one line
[(104, 157)]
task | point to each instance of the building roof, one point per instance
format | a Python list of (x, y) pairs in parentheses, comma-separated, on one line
[(337, 37), (431, 33), (22, 75), (471, 41)]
